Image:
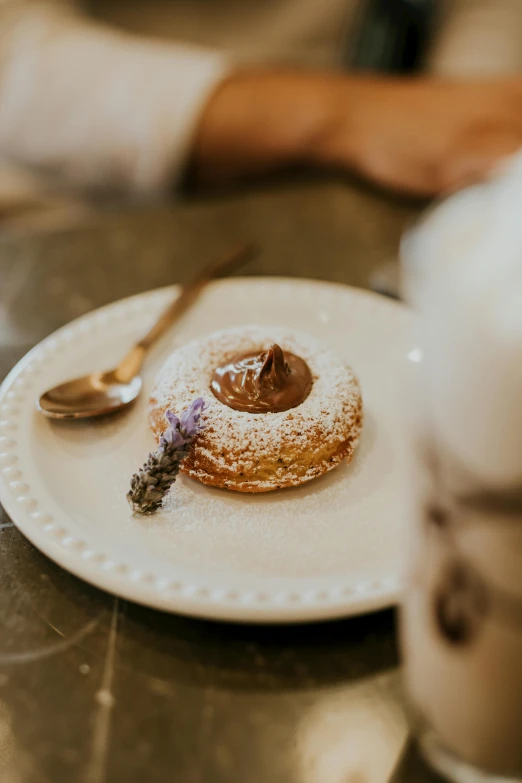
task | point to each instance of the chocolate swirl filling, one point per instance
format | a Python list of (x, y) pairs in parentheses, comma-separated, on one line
[(267, 382)]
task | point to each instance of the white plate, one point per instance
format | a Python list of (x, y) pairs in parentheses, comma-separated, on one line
[(328, 549)]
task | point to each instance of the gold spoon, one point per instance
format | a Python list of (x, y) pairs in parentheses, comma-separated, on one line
[(107, 392)]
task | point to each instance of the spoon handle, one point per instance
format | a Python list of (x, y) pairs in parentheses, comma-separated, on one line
[(131, 364)]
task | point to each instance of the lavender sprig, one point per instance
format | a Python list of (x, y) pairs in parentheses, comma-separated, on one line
[(150, 485)]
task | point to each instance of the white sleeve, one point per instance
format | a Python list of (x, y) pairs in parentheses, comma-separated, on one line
[(95, 106), (478, 38)]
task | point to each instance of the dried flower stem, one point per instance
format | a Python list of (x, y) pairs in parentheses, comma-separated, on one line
[(152, 482)]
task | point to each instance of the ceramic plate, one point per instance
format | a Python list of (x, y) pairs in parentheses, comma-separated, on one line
[(330, 548)]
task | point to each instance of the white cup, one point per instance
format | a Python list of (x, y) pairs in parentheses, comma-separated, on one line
[(461, 622)]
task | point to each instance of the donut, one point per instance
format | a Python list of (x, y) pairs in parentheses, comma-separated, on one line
[(261, 451)]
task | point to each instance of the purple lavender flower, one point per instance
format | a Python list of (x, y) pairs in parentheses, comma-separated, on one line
[(150, 485)]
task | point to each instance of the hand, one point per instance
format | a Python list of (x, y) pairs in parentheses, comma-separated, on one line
[(424, 136), (421, 136)]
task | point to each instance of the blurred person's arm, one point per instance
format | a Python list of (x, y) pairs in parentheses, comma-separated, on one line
[(477, 38), (94, 106), (98, 107), (423, 136)]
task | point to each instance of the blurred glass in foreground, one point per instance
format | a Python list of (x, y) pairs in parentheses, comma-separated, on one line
[(462, 616)]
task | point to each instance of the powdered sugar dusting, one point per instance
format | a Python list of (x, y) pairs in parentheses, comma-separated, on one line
[(236, 443)]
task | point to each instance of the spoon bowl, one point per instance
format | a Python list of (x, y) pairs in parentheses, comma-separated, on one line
[(92, 395)]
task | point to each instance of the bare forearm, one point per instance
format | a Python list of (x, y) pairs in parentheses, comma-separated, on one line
[(416, 135), (258, 121)]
